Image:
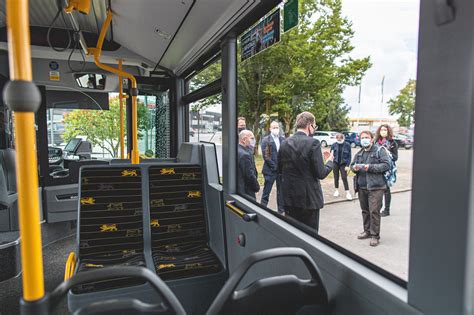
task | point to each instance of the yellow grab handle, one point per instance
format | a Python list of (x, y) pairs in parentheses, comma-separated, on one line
[(70, 266)]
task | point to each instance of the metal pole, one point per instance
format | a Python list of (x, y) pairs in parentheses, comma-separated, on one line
[(24, 98), (122, 132)]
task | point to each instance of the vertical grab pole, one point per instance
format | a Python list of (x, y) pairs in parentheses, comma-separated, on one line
[(23, 97), (122, 133), (133, 91)]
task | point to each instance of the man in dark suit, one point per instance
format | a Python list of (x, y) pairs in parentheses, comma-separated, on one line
[(247, 173), (301, 165), (270, 147)]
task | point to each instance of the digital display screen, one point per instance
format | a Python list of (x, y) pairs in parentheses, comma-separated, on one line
[(72, 145)]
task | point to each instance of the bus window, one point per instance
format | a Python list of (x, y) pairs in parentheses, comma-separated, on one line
[(154, 125), (347, 73), (205, 123), (211, 73)]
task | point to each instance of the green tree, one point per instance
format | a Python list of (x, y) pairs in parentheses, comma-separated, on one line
[(102, 127), (404, 104), (307, 70)]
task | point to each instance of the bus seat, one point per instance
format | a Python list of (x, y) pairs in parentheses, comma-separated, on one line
[(110, 223), (8, 162), (178, 224)]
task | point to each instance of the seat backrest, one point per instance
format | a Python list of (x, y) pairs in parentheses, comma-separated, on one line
[(177, 213), (110, 210)]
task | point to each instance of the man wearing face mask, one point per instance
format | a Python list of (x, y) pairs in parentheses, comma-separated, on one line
[(301, 165), (369, 164), (270, 146), (342, 158), (241, 124), (247, 173)]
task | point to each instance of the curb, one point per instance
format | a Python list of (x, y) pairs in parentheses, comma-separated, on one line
[(353, 199)]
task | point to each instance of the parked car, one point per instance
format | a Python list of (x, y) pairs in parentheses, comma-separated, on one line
[(403, 141), (352, 138), (326, 138)]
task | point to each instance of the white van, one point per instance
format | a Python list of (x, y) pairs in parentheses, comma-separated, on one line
[(327, 138)]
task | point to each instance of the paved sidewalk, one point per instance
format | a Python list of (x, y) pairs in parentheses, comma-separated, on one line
[(342, 222)]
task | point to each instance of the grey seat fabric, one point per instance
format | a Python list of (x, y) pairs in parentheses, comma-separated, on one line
[(7, 177)]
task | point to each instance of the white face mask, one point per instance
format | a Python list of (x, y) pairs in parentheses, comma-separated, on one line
[(275, 131), (252, 143), (340, 141)]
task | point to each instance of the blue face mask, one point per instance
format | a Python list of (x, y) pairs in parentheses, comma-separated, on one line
[(365, 142)]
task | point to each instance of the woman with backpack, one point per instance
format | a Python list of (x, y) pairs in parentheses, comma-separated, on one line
[(370, 164), (384, 137)]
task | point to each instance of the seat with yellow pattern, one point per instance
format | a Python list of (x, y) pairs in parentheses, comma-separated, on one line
[(179, 237), (110, 223)]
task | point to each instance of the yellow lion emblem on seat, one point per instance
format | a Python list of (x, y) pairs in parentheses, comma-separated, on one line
[(155, 223), (87, 201), (164, 266), (194, 194), (108, 228), (129, 173), (167, 171)]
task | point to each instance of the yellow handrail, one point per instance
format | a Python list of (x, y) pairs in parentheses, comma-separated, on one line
[(122, 133), (19, 53), (97, 52), (70, 266)]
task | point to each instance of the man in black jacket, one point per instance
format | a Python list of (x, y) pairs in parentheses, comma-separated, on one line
[(247, 174), (301, 165)]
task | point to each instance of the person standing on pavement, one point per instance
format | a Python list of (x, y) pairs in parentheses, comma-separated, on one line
[(342, 159), (369, 164), (247, 173), (270, 146), (301, 165), (384, 137)]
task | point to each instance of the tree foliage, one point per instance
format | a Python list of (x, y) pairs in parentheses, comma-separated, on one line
[(102, 127), (307, 71), (404, 104)]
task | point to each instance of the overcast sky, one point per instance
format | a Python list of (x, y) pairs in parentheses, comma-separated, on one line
[(387, 31)]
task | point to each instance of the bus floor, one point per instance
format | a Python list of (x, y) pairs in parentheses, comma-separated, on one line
[(55, 256)]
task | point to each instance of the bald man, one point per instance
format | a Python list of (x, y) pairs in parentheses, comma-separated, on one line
[(270, 147), (247, 172)]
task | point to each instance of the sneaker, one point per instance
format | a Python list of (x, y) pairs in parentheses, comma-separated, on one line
[(374, 241), (384, 213), (363, 236), (336, 193), (348, 195)]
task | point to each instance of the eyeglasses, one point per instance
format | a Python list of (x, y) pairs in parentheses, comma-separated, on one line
[(315, 127)]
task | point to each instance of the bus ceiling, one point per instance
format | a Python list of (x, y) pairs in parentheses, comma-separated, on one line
[(171, 36)]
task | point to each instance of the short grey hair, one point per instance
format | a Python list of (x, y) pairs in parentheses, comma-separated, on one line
[(304, 119), (245, 133)]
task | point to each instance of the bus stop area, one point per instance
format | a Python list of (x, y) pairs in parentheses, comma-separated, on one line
[(341, 219)]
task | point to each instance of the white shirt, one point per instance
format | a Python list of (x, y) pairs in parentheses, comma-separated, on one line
[(277, 141)]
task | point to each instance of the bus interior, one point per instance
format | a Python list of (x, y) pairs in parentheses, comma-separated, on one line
[(154, 223)]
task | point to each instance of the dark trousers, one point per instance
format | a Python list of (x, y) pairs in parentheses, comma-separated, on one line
[(267, 189), (388, 199), (371, 203), (340, 168), (310, 217)]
